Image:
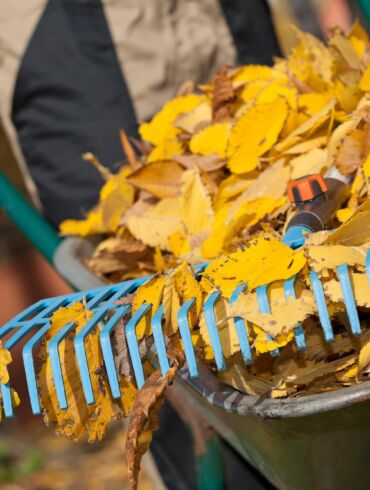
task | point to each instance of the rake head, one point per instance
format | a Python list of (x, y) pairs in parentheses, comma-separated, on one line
[(35, 320)]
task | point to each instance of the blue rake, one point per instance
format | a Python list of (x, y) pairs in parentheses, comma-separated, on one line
[(35, 320)]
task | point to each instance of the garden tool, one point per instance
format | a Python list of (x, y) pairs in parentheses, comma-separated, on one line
[(317, 200)]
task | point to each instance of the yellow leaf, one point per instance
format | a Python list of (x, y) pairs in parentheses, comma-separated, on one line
[(212, 139), (254, 134), (306, 146), (311, 62), (354, 231), (308, 163), (161, 179), (179, 244), (358, 38), (364, 358), (284, 315), (331, 256), (314, 102), (79, 418), (365, 80), (199, 116), (115, 197), (257, 72), (361, 289), (225, 326), (307, 128), (271, 183), (5, 360), (248, 214), (276, 89), (251, 90), (158, 259), (264, 260), (154, 225), (344, 214), (161, 126), (166, 150), (195, 204), (263, 344), (181, 286), (366, 166), (150, 292)]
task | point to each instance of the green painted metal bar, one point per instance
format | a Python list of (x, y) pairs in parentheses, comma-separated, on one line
[(209, 466), (27, 219), (364, 6)]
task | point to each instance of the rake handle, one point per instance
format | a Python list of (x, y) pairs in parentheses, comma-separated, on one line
[(317, 213)]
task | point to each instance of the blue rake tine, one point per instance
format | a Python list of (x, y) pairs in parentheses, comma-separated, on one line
[(106, 348), (298, 330), (5, 388), (210, 319), (56, 368), (29, 368), (184, 328), (241, 327), (349, 300), (132, 342), (79, 343), (264, 307), (321, 306), (159, 340)]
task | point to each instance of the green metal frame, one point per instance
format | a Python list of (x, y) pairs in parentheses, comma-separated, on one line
[(27, 219), (364, 6)]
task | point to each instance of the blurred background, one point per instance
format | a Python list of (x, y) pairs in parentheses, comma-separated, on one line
[(31, 457)]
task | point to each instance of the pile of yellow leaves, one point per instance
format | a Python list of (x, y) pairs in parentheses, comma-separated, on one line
[(210, 183)]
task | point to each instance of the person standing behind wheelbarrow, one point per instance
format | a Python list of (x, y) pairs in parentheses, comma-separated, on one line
[(75, 72)]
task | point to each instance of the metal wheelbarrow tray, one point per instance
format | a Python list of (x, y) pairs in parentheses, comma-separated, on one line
[(312, 442)]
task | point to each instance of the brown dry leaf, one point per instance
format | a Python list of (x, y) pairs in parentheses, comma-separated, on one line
[(323, 370), (240, 378), (161, 179), (352, 152), (119, 254), (129, 151), (207, 163), (157, 223), (224, 96), (193, 121), (143, 420)]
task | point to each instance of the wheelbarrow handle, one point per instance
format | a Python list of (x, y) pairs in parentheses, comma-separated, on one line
[(27, 219)]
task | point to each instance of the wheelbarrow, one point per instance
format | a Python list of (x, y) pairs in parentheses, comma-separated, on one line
[(318, 441)]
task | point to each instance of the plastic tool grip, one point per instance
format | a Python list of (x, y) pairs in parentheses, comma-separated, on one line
[(317, 201)]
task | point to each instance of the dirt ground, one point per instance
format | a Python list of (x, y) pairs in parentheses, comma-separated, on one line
[(33, 458)]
